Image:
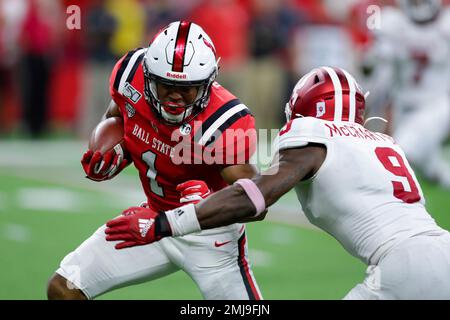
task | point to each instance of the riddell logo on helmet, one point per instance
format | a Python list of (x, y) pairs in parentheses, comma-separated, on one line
[(174, 75)]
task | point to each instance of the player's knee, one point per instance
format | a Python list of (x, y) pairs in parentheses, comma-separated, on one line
[(57, 289)]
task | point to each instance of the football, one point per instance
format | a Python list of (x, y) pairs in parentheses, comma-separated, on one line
[(106, 135)]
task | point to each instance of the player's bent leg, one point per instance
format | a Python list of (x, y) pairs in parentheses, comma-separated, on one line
[(96, 267), (369, 289), (361, 292), (231, 280), (219, 264), (418, 268), (59, 288)]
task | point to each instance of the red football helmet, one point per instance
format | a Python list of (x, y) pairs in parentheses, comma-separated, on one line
[(327, 93)]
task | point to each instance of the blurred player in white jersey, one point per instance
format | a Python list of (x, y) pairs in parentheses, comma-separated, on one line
[(411, 56), (353, 183)]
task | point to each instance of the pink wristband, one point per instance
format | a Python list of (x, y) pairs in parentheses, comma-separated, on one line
[(254, 194)]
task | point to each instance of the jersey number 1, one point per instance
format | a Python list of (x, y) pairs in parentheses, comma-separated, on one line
[(405, 190), (150, 158)]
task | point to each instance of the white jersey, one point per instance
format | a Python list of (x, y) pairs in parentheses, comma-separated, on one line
[(365, 193), (419, 56)]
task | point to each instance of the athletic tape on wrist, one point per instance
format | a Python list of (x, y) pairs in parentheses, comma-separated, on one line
[(254, 194), (183, 220)]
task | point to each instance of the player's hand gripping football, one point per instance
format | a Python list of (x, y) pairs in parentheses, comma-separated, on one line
[(137, 226), (193, 191), (100, 167)]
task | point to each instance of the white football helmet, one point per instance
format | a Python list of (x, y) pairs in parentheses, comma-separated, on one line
[(181, 54), (421, 11)]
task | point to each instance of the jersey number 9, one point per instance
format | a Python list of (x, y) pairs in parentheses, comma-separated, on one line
[(405, 189)]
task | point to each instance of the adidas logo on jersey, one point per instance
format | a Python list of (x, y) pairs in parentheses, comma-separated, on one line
[(145, 225)]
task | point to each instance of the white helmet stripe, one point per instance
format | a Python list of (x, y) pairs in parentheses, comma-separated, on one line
[(351, 83), (337, 93)]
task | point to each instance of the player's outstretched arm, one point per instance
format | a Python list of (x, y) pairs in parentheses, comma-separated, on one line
[(233, 204), (140, 226), (238, 171)]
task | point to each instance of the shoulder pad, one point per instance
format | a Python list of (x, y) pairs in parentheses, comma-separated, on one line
[(222, 119), (299, 132), (125, 69)]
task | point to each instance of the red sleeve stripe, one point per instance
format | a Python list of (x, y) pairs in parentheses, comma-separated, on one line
[(247, 276), (180, 46)]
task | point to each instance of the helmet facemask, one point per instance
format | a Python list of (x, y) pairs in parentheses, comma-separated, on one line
[(181, 54), (190, 110)]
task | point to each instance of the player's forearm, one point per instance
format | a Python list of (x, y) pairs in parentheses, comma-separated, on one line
[(248, 199), (225, 207), (236, 203)]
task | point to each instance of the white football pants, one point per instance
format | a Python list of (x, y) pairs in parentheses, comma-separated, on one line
[(416, 269), (216, 259)]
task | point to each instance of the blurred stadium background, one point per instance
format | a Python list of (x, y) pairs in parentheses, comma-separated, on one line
[(54, 89)]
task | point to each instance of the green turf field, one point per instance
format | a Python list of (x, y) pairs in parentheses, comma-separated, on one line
[(47, 208)]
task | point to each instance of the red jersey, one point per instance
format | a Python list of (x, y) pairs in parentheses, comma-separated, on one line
[(162, 161)]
